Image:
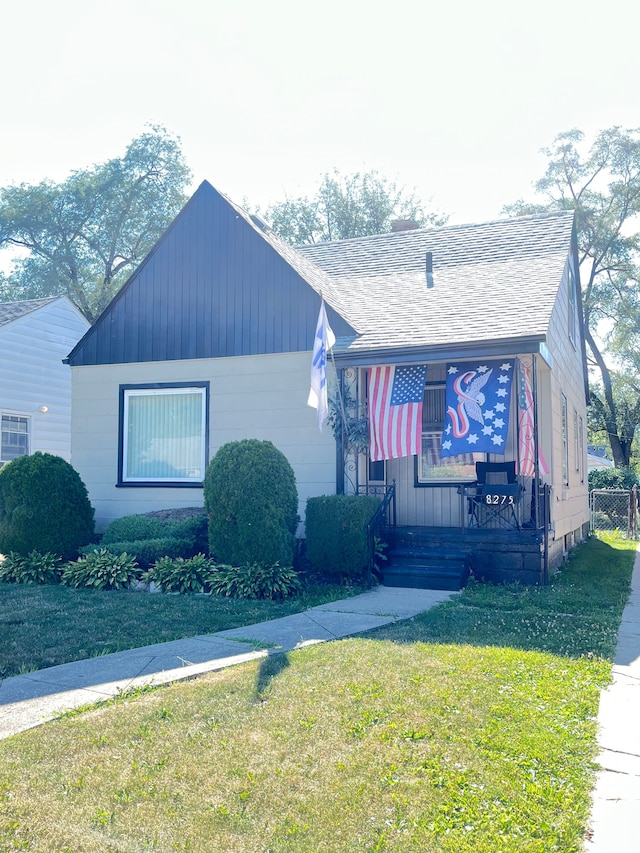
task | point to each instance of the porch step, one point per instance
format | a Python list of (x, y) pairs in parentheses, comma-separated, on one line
[(427, 575), (417, 563)]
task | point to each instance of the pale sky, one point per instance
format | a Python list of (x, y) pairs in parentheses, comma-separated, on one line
[(455, 102)]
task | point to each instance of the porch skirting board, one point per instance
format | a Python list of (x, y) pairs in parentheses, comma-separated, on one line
[(449, 555)]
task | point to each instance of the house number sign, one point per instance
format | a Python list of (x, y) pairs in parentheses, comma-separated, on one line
[(499, 500)]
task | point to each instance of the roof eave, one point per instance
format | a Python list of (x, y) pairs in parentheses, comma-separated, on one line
[(440, 352)]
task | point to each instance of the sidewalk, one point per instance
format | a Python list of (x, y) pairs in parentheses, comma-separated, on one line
[(616, 799), (29, 700)]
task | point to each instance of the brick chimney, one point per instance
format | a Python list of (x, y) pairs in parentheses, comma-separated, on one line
[(404, 225)]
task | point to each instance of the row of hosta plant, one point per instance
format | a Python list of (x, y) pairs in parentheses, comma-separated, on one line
[(101, 569)]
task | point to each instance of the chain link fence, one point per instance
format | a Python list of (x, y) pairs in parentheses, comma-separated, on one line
[(615, 509)]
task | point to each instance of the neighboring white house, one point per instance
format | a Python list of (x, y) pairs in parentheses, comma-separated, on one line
[(35, 384)]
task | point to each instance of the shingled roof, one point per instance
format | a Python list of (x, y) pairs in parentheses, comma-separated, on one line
[(493, 281), (10, 311)]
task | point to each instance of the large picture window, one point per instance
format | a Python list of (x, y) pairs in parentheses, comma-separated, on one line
[(163, 434), (431, 468), (15, 437)]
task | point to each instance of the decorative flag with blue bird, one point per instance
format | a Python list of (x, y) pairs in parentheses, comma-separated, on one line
[(477, 404)]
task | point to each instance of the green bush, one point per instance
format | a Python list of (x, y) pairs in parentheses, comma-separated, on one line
[(101, 570), (35, 568), (180, 575), (44, 506), (255, 581), (137, 528), (147, 551), (336, 531), (612, 478), (132, 528), (194, 530), (251, 499)]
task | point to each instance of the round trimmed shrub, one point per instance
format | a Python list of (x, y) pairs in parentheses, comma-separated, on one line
[(251, 499), (44, 506)]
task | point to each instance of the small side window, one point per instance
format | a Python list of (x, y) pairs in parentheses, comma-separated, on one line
[(15, 437)]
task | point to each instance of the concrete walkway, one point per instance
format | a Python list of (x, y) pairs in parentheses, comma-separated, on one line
[(616, 800), (29, 700)]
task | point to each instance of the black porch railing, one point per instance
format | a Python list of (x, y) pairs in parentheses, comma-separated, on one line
[(383, 518)]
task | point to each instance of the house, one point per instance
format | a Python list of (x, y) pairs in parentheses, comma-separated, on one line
[(35, 385), (597, 458), (210, 341)]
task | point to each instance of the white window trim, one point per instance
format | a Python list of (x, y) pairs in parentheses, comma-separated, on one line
[(128, 393), (22, 416), (564, 435)]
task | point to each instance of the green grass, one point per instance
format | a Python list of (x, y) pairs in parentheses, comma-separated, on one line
[(43, 626), (578, 614), (405, 739)]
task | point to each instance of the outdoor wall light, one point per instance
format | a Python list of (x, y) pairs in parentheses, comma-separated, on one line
[(44, 409)]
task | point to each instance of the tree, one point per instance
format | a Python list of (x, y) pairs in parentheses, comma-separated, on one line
[(347, 206), (83, 236), (602, 186)]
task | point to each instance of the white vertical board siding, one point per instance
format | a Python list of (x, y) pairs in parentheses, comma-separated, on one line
[(430, 506), (263, 397), (32, 374)]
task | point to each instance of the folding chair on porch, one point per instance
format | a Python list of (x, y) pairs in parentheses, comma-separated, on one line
[(497, 497)]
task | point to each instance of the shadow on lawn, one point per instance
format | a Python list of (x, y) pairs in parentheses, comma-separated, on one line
[(269, 668)]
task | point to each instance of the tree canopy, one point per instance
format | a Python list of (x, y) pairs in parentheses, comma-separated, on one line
[(83, 237), (601, 183), (347, 206)]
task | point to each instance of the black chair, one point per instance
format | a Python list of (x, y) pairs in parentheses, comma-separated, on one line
[(497, 495)]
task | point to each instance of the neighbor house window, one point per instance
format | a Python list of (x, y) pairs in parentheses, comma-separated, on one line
[(15, 437), (431, 468), (163, 433)]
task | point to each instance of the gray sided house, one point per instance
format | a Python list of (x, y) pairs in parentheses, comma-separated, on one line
[(35, 385), (210, 341)]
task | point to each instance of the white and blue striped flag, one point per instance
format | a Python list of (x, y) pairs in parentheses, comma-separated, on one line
[(322, 343)]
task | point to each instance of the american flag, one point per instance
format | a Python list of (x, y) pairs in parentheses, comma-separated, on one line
[(395, 410), (526, 444)]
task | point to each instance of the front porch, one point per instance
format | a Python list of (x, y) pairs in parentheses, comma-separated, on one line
[(508, 544), (445, 557)]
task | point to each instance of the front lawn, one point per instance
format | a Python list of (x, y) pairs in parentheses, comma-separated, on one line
[(429, 735), (47, 625)]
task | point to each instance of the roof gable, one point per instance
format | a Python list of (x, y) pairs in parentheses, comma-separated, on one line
[(10, 311), (214, 285)]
